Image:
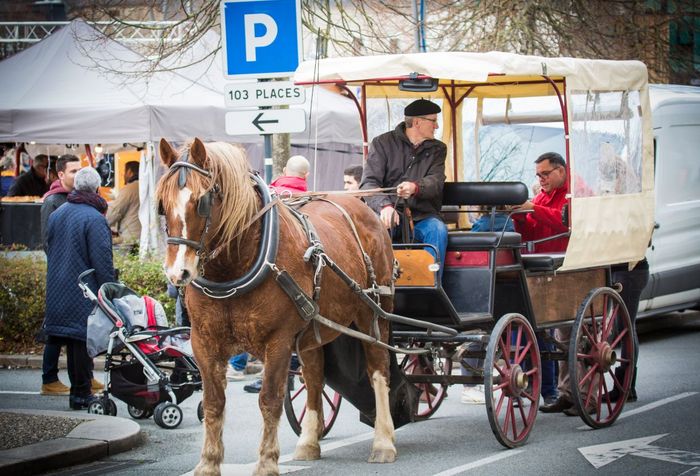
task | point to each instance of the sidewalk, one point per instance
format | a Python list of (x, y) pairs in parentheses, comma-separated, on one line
[(33, 361), (96, 437)]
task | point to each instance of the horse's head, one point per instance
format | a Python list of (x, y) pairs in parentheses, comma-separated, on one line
[(202, 181)]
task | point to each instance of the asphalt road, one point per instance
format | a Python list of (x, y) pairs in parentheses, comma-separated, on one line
[(457, 440)]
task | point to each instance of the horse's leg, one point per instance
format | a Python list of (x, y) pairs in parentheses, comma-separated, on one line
[(213, 372), (383, 449), (270, 403), (308, 447)]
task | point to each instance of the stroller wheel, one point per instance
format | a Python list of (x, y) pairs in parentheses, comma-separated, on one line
[(200, 411), (138, 413), (103, 406), (168, 415)]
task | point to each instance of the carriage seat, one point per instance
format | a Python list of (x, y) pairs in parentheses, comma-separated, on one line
[(470, 240), (483, 193), (543, 262)]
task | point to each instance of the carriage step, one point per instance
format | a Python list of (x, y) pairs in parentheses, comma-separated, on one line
[(474, 317)]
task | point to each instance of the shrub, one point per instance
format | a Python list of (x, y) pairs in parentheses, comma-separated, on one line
[(23, 292)]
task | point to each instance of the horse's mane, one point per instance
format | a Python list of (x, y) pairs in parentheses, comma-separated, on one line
[(229, 168)]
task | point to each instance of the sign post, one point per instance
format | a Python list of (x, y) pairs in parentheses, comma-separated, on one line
[(262, 39)]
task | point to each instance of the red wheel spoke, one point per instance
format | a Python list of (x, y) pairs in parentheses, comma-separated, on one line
[(607, 396), (624, 360), (518, 345), (298, 392), (532, 371), (588, 374), (524, 353), (302, 414), (327, 398), (616, 382), (588, 334), (500, 403), (611, 321), (619, 338), (528, 396)]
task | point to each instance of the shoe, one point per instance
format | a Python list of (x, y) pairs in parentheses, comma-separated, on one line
[(55, 388), (473, 395), (79, 403), (615, 395), (233, 375), (559, 405), (550, 400), (253, 387), (96, 386), (573, 411)]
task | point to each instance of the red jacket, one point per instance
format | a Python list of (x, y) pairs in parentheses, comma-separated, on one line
[(544, 221), (288, 183)]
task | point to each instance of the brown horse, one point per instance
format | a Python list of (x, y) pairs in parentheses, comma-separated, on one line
[(211, 208)]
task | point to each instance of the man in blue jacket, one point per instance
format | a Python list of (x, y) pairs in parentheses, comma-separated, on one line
[(78, 239)]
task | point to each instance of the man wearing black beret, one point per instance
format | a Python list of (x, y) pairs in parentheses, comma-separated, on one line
[(412, 160)]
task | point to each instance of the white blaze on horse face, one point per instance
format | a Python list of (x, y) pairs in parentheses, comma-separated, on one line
[(176, 272)]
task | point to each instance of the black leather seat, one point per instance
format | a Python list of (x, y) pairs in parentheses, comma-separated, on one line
[(541, 262), (466, 240)]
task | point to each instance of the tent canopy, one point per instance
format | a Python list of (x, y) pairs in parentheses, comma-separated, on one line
[(78, 86)]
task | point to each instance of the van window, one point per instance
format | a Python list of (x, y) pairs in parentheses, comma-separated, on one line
[(681, 169)]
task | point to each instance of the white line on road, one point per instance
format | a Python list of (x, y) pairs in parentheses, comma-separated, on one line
[(18, 392), (649, 406), (475, 464)]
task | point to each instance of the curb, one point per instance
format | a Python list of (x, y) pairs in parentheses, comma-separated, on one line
[(98, 437)]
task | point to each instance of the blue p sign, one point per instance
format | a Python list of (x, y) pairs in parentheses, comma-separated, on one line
[(261, 38)]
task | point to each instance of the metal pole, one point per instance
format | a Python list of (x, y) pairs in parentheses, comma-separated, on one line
[(417, 20), (268, 157)]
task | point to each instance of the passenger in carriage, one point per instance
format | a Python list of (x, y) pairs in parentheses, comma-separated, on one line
[(545, 219), (412, 160), (352, 176)]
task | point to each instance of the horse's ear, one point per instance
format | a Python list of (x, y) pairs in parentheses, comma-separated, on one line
[(167, 154), (198, 152)]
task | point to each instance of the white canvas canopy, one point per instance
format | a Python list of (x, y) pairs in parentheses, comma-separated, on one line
[(594, 95)]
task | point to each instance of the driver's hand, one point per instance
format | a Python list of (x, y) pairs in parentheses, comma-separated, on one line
[(406, 189), (389, 215)]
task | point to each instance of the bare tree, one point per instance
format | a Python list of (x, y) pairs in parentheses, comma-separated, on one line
[(654, 32)]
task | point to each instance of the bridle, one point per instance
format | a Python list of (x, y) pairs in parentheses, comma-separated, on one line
[(183, 167)]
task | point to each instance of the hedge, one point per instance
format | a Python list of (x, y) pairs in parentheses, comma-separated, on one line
[(23, 291)]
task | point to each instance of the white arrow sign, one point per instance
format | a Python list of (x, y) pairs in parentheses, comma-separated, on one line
[(600, 455), (272, 93), (268, 121)]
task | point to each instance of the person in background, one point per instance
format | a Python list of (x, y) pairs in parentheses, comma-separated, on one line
[(32, 183), (181, 316), (293, 178), (412, 160), (78, 239), (123, 212), (66, 166), (352, 176)]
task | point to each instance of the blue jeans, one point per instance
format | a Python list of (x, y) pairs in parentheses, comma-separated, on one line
[(433, 231), (239, 361), (549, 371)]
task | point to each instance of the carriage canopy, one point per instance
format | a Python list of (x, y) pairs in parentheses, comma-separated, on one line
[(502, 110)]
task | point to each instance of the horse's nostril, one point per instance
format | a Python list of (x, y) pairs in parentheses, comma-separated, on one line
[(185, 275)]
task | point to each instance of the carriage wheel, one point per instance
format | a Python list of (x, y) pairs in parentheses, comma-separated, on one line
[(295, 403), (512, 380), (139, 413), (601, 357), (431, 395)]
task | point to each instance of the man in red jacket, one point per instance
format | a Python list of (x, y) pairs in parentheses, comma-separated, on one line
[(293, 178), (545, 219)]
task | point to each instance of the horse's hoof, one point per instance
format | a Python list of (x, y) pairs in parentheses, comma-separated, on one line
[(307, 453), (207, 470), (386, 455)]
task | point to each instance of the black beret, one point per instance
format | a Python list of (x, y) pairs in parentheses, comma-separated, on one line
[(421, 107)]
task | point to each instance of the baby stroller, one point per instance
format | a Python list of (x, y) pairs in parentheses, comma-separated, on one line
[(148, 366)]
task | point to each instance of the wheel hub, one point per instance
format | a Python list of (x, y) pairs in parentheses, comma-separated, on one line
[(517, 381), (606, 356)]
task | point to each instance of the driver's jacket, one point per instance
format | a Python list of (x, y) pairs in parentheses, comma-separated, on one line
[(392, 159)]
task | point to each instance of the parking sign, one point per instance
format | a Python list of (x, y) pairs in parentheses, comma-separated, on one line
[(261, 38)]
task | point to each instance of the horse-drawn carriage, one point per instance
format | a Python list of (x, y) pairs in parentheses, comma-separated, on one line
[(493, 293)]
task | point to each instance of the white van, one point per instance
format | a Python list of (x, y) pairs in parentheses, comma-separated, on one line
[(674, 255)]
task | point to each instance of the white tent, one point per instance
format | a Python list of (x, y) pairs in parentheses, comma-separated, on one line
[(78, 86)]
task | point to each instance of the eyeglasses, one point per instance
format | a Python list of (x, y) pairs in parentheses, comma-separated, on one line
[(434, 121), (545, 174)]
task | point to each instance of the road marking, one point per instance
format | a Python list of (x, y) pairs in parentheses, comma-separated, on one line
[(647, 407), (18, 392), (601, 455), (478, 463)]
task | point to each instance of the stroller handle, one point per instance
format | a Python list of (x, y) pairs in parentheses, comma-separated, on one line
[(87, 292)]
